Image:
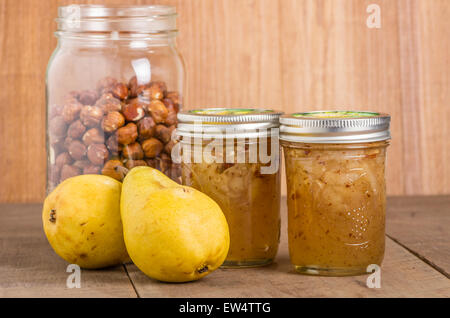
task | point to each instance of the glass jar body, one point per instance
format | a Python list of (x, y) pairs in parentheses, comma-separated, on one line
[(111, 102), (336, 206), (249, 199)]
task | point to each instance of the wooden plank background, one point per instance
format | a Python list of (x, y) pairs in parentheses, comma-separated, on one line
[(296, 55)]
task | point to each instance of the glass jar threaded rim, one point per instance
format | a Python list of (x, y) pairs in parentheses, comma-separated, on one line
[(153, 19)]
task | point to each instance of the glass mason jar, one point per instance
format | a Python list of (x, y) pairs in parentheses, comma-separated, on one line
[(232, 155), (336, 193), (114, 87)]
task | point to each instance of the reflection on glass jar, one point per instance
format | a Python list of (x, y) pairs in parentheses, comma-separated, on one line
[(336, 192), (248, 194), (114, 88)]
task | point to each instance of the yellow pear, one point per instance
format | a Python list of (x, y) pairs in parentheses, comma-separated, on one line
[(173, 233), (145, 180), (81, 219)]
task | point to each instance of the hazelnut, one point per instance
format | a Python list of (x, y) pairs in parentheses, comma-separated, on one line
[(108, 103), (106, 85), (164, 163), (113, 144), (155, 90), (71, 110), (133, 112), (127, 134), (133, 151), (130, 164), (175, 97), (112, 121), (152, 163), (120, 90), (172, 128), (91, 169), (138, 118), (134, 87), (169, 146), (171, 118), (88, 97), (135, 100), (170, 105), (57, 126), (82, 164), (55, 110), (77, 150), (93, 136), (76, 129), (63, 159), (175, 172), (68, 171), (97, 154), (67, 143), (152, 147), (163, 133), (91, 115), (114, 169), (146, 127), (158, 111)]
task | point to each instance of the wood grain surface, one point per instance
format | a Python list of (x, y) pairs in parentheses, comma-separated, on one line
[(402, 274), (422, 225), (295, 55), (29, 267)]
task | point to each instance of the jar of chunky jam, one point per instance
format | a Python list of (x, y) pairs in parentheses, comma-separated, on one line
[(336, 194), (232, 155)]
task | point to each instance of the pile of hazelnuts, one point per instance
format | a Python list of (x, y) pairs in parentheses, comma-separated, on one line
[(112, 129)]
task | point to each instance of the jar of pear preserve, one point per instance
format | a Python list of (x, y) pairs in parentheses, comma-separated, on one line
[(336, 194), (232, 155), (114, 87)]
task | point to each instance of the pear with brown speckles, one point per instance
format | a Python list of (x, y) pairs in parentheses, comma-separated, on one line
[(81, 219), (173, 233)]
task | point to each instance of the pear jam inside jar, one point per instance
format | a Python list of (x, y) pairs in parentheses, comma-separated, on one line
[(232, 155), (336, 194)]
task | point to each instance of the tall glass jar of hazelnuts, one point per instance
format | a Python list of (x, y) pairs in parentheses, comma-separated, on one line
[(114, 88)]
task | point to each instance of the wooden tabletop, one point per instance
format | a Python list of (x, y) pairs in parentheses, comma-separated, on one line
[(416, 264)]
